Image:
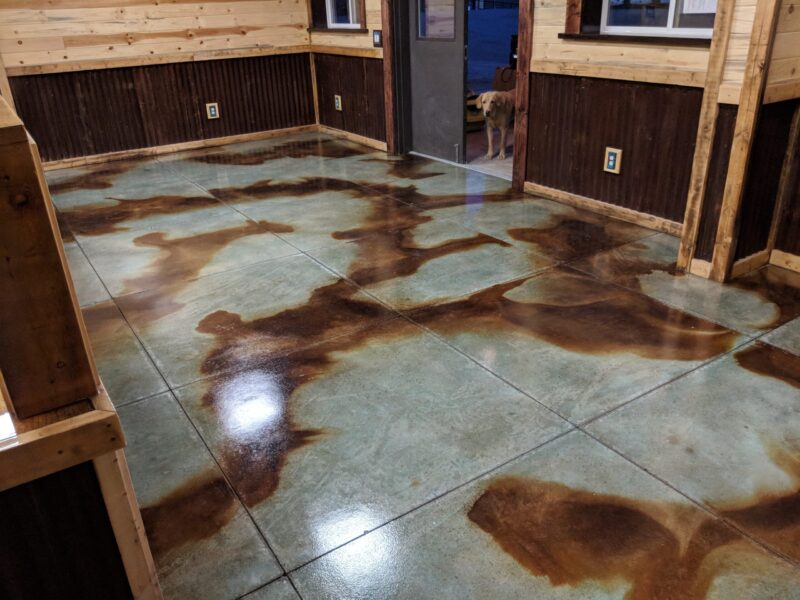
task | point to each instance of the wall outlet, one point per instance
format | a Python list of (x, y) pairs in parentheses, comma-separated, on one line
[(613, 161), (212, 110), (337, 102)]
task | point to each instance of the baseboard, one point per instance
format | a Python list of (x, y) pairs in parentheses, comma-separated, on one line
[(353, 137), (750, 263), (94, 159), (82, 161), (604, 208), (701, 268), (779, 258)]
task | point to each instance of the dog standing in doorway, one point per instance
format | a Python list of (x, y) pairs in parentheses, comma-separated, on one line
[(498, 110)]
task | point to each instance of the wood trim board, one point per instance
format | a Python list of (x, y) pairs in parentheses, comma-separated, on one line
[(705, 132), (524, 52), (604, 208)]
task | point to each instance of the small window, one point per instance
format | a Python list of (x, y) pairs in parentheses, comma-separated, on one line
[(436, 19), (668, 18), (343, 14)]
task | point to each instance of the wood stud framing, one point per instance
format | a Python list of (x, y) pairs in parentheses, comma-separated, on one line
[(750, 101), (706, 131), (524, 51)]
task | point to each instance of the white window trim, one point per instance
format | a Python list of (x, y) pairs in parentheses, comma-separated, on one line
[(669, 31), (354, 16)]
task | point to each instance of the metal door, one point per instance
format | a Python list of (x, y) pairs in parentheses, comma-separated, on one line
[(437, 50)]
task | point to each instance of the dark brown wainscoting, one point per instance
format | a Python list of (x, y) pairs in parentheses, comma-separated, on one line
[(715, 183), (56, 540), (359, 81), (94, 112), (573, 119), (763, 177), (788, 239)]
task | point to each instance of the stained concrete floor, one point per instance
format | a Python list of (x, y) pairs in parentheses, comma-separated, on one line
[(345, 376)]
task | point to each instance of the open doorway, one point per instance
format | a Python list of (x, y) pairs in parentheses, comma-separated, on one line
[(492, 26), (448, 53)]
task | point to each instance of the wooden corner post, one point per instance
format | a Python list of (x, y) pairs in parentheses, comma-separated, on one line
[(750, 101), (524, 52), (706, 131), (389, 104)]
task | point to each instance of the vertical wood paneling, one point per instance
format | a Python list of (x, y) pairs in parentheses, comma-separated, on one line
[(94, 112), (715, 186), (359, 81), (573, 119), (167, 103), (766, 162)]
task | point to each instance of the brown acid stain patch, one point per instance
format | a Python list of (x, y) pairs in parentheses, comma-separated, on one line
[(777, 286), (193, 512), (408, 167), (769, 361), (96, 178), (181, 259), (566, 237), (100, 220), (293, 149), (615, 265), (773, 517), (665, 551), (585, 316)]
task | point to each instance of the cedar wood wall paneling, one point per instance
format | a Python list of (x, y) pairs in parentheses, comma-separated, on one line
[(93, 112), (56, 540), (715, 183), (360, 83), (763, 177), (573, 119)]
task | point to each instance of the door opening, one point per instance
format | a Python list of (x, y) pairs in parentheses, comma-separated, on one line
[(493, 27)]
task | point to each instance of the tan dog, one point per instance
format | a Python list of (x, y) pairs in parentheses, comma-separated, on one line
[(498, 109)]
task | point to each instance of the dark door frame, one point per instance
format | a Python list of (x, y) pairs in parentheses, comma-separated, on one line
[(523, 92)]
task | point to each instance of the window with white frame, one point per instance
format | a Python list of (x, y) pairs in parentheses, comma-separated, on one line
[(666, 18), (343, 14)]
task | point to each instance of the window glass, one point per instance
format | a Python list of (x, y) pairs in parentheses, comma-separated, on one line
[(659, 17), (342, 13), (697, 14), (638, 13), (437, 19)]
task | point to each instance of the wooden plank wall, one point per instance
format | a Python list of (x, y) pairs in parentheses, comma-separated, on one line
[(49, 35), (783, 82), (646, 62), (359, 81), (574, 118), (327, 41), (613, 60), (163, 104)]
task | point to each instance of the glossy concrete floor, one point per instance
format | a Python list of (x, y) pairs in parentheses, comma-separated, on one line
[(344, 376)]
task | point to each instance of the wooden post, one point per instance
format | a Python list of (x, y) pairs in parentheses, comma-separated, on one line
[(524, 52), (44, 355), (126, 521), (5, 86), (387, 24), (574, 11), (752, 94), (706, 131)]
